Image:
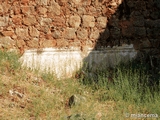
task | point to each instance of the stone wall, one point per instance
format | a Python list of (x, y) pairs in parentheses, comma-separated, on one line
[(27, 24)]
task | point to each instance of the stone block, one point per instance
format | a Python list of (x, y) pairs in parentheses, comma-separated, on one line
[(75, 21), (45, 21), (153, 33), (102, 22), (29, 20), (54, 9), (62, 43), (128, 31), (115, 32), (49, 43), (145, 44), (138, 21), (81, 10), (4, 21), (139, 31), (1, 10), (22, 32), (33, 31), (24, 1), (82, 33), (28, 10), (16, 10), (42, 10), (57, 34), (86, 2), (58, 21), (17, 19), (42, 2), (20, 43), (94, 35), (77, 2), (88, 21), (6, 42), (157, 3), (8, 33), (33, 43), (69, 33), (49, 36), (155, 15)]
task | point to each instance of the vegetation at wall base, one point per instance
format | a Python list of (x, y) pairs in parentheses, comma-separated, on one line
[(110, 94)]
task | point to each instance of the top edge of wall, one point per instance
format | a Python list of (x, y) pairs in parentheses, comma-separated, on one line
[(123, 47)]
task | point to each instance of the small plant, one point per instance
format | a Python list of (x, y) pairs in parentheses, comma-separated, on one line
[(9, 61)]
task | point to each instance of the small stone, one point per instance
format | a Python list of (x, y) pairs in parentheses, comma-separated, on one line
[(11, 92), (75, 117), (76, 100), (19, 94)]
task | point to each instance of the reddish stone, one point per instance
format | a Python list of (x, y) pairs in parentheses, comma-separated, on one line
[(17, 19), (24, 1), (49, 37), (8, 33), (49, 43), (25, 9), (16, 10)]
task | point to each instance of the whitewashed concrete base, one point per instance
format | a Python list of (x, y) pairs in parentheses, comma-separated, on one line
[(65, 62)]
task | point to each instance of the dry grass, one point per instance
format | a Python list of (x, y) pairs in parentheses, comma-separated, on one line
[(29, 95)]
